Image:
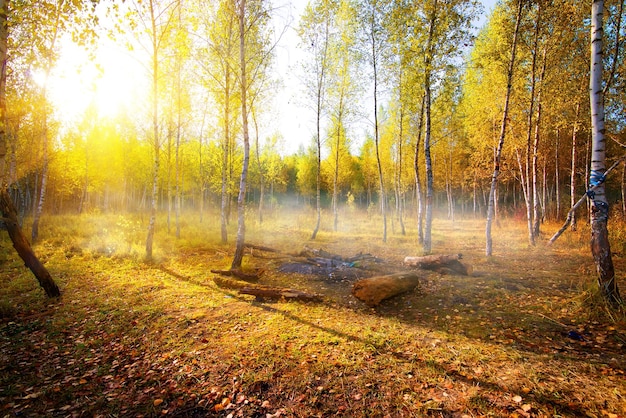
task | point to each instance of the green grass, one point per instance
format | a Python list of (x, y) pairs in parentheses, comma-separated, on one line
[(131, 338)]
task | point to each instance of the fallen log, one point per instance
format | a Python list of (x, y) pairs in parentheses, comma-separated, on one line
[(442, 263), (276, 293), (260, 248), (266, 292), (227, 283), (373, 290), (248, 277)]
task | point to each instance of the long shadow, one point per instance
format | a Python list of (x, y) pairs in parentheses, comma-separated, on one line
[(441, 366)]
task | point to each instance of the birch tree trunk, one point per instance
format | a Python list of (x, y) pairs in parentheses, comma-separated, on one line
[(428, 57), (572, 184), (261, 167), (320, 89), (418, 182), (241, 198), (375, 52), (537, 211), (600, 246), (225, 196), (557, 175), (528, 196), (494, 179), (155, 132), (399, 205)]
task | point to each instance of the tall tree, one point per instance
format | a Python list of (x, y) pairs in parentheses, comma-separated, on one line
[(254, 53), (156, 18), (372, 17), (219, 68), (342, 94), (315, 37), (498, 154), (243, 83), (600, 245), (431, 45)]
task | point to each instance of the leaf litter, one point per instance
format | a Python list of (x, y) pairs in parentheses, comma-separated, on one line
[(517, 338)]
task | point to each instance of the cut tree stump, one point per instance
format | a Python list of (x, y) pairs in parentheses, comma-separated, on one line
[(442, 263), (373, 290)]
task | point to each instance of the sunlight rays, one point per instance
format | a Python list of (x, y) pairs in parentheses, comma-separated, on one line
[(110, 80)]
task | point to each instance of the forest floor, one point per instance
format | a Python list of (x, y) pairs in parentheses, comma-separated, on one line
[(524, 336)]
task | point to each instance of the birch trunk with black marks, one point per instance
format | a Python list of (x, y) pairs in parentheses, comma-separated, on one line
[(600, 246)]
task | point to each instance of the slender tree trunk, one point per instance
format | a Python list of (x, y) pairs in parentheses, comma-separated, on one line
[(383, 208), (529, 197), (537, 215), (399, 206), (600, 246), (261, 168), (83, 196), (156, 146), (623, 187), (225, 196), (200, 163), (557, 176), (428, 57), (45, 133), (179, 110), (241, 199), (427, 245), (572, 184), (44, 177), (336, 177), (496, 171), (168, 187), (178, 179), (418, 182), (321, 80)]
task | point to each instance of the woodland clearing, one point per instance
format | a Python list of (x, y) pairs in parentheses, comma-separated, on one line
[(524, 335)]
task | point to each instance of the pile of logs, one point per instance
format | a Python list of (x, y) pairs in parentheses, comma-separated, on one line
[(372, 290)]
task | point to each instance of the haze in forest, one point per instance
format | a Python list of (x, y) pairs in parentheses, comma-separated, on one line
[(404, 109)]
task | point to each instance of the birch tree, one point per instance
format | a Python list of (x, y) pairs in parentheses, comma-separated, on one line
[(254, 54), (342, 94), (600, 245), (315, 37), (498, 153), (374, 43), (156, 19)]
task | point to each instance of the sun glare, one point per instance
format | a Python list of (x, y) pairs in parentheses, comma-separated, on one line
[(111, 80)]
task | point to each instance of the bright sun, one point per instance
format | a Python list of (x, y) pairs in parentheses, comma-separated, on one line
[(112, 81)]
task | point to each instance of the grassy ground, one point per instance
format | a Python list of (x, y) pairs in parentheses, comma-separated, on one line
[(130, 338)]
